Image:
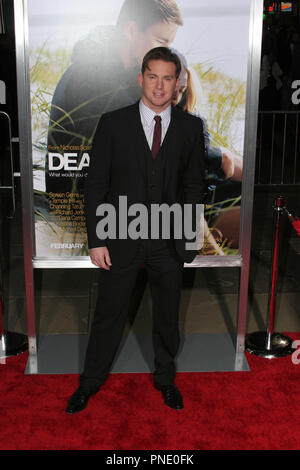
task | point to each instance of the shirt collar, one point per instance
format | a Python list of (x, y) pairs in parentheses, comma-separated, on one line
[(148, 114)]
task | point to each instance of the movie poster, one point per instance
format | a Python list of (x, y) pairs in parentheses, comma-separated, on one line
[(84, 62)]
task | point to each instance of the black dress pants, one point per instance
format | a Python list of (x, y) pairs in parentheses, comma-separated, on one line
[(164, 270)]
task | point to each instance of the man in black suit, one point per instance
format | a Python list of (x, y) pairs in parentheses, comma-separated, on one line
[(152, 153)]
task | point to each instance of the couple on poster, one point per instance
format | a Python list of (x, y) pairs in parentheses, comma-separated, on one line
[(103, 77)]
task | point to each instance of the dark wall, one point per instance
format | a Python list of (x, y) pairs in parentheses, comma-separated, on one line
[(8, 64)]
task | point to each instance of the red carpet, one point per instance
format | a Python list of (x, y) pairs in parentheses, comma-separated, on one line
[(255, 410)]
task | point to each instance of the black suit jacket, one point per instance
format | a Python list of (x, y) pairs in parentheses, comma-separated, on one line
[(118, 168)]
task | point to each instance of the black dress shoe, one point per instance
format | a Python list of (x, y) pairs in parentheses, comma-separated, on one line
[(171, 395), (79, 400)]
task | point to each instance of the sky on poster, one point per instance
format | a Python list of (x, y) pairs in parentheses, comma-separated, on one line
[(215, 32)]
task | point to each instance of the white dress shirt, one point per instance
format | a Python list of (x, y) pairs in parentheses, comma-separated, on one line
[(148, 123)]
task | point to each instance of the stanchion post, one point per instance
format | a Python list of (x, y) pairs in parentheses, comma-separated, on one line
[(278, 208), (270, 344)]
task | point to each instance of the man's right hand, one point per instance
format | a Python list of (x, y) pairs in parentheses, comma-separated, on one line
[(100, 257)]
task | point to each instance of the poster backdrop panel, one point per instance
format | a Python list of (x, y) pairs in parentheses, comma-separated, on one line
[(84, 60)]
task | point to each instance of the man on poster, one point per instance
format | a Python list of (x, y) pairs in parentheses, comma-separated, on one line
[(103, 77), (152, 153)]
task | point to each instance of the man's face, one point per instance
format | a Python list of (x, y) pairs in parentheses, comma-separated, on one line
[(160, 34), (159, 83)]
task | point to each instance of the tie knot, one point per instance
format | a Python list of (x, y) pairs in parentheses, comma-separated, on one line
[(157, 119)]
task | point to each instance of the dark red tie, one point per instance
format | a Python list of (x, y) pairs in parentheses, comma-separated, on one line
[(156, 136)]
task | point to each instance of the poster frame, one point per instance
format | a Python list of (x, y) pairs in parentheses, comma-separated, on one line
[(31, 261)]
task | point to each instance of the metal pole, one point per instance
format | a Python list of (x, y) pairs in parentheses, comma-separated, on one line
[(270, 344), (255, 34)]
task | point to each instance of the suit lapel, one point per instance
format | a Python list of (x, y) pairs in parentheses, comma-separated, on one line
[(171, 144), (172, 132), (141, 142)]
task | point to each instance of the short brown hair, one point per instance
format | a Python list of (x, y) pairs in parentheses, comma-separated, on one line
[(145, 13), (161, 53)]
